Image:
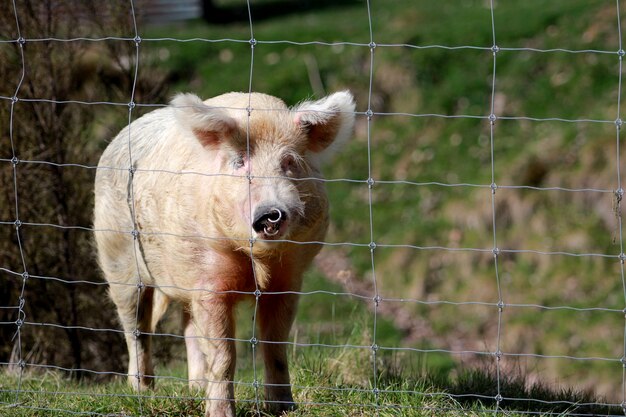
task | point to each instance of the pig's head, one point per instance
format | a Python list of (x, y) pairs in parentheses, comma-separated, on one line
[(268, 158)]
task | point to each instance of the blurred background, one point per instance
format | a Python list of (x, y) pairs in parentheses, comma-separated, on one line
[(557, 92)]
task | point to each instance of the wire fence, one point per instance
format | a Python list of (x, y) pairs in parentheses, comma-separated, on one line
[(376, 299)]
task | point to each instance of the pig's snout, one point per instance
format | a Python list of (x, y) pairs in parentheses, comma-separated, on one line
[(269, 220)]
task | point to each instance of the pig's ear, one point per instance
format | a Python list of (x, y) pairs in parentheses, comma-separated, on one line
[(328, 122), (210, 125)]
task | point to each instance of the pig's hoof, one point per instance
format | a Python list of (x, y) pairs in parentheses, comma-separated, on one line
[(281, 408)]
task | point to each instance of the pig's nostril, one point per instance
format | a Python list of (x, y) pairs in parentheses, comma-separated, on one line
[(269, 221), (274, 216)]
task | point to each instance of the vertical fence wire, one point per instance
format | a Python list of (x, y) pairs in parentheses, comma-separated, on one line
[(619, 193), (137, 333), (21, 314), (370, 185), (496, 252), (257, 292)]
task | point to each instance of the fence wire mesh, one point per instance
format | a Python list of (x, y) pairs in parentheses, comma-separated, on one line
[(370, 291)]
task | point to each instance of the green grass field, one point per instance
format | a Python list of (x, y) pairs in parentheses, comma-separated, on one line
[(332, 370), (338, 385)]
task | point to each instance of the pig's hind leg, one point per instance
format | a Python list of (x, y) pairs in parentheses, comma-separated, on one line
[(134, 306), (214, 330)]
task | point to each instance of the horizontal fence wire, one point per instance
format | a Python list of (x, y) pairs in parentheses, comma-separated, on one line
[(375, 298)]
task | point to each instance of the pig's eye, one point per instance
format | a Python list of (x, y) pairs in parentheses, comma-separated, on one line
[(239, 161)]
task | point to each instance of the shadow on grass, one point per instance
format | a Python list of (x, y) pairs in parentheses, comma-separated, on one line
[(478, 389)]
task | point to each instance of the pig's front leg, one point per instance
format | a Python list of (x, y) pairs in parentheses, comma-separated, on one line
[(213, 319), (276, 315)]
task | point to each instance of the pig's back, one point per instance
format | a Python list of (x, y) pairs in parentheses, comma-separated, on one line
[(154, 146), (138, 142), (149, 143)]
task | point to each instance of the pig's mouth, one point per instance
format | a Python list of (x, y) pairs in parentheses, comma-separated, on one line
[(269, 222)]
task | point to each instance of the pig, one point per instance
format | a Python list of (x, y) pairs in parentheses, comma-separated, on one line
[(223, 202)]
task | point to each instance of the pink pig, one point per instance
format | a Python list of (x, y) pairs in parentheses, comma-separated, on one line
[(227, 205)]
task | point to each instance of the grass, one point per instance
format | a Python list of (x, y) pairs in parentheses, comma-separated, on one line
[(323, 386), (332, 372)]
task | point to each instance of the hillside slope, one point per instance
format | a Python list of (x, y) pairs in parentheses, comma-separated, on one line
[(554, 164)]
